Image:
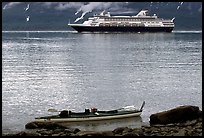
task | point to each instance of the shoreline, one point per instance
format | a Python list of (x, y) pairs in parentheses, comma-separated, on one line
[(180, 121), (9, 131), (188, 128)]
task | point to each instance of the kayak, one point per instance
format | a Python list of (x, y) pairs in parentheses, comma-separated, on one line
[(66, 116)]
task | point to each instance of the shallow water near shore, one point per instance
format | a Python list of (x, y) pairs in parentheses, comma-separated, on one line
[(67, 70)]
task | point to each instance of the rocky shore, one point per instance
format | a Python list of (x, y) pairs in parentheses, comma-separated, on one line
[(189, 127)]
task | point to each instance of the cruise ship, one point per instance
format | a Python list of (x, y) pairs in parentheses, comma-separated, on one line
[(142, 22)]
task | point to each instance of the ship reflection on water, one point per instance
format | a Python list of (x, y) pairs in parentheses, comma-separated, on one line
[(108, 125)]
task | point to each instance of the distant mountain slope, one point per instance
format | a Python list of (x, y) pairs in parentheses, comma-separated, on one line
[(56, 16)]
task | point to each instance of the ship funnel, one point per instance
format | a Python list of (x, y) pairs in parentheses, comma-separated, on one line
[(142, 13), (102, 13), (173, 19)]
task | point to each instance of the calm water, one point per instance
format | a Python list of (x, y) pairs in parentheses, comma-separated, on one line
[(67, 70)]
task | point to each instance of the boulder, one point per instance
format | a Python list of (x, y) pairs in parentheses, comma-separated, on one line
[(31, 125), (177, 115)]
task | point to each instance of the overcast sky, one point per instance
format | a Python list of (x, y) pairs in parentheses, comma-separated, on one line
[(90, 6)]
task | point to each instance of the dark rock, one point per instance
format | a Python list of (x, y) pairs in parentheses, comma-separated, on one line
[(107, 133), (46, 133), (26, 134), (46, 125), (56, 131), (119, 130), (127, 130), (68, 131), (176, 115), (64, 114), (31, 125), (130, 134), (181, 132), (89, 133), (75, 130), (56, 135), (138, 131)]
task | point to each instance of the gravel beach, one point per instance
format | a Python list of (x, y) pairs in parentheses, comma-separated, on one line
[(191, 127)]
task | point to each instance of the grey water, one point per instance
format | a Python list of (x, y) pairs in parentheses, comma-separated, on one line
[(74, 71)]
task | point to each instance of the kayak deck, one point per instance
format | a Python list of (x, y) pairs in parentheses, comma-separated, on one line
[(87, 115), (87, 118)]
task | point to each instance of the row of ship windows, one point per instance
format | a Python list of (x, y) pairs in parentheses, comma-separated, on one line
[(122, 19), (168, 24), (145, 22), (127, 23), (107, 24), (130, 25)]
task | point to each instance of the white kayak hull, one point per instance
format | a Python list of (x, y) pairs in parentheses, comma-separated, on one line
[(97, 118)]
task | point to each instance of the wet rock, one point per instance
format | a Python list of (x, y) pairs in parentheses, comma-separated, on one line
[(68, 131), (46, 133), (89, 133), (127, 130), (181, 132), (176, 115), (107, 133), (138, 131), (119, 130), (56, 131), (75, 130), (47, 125), (26, 134), (130, 134), (56, 135)]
